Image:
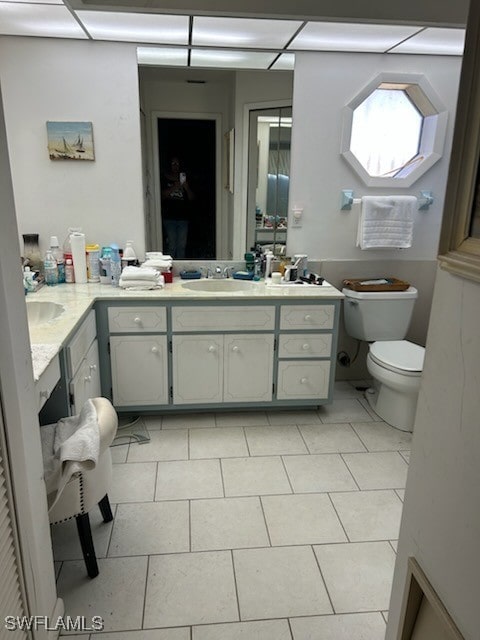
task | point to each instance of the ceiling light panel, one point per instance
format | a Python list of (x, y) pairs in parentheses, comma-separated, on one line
[(43, 20), (158, 56), (285, 62), (243, 32), (433, 41), (228, 59), (135, 27), (338, 36)]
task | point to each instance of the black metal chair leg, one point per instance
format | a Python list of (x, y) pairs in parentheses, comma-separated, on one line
[(86, 542), (105, 509)]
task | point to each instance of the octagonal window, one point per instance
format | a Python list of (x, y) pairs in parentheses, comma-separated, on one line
[(394, 131)]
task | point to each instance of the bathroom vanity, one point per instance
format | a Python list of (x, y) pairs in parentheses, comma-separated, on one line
[(217, 345)]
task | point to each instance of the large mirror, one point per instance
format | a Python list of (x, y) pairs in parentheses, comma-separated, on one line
[(270, 134)]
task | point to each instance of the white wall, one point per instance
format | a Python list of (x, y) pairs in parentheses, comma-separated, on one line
[(441, 517), (324, 83), (56, 79)]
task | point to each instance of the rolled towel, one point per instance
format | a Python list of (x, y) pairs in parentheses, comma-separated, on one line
[(139, 273)]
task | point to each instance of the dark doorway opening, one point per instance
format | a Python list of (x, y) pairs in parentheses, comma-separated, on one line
[(194, 143)]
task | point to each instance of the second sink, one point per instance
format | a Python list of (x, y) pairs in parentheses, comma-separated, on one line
[(41, 311)]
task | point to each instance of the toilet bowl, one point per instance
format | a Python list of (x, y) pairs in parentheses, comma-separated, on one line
[(396, 367)]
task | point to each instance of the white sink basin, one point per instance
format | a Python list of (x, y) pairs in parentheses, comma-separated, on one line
[(229, 284), (40, 312)]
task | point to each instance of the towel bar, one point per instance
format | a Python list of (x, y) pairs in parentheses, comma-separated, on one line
[(347, 200)]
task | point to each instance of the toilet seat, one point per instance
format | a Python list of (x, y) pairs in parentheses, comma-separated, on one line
[(399, 356)]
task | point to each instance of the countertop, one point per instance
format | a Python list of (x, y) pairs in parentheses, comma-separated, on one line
[(48, 338)]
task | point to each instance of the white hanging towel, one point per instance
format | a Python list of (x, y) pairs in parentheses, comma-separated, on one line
[(386, 222)]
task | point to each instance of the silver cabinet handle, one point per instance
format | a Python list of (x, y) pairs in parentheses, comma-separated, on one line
[(235, 348), (307, 317), (306, 346), (137, 320), (88, 378), (154, 349), (303, 380), (93, 367), (212, 348)]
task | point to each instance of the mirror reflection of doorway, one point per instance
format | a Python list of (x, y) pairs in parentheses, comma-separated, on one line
[(269, 178), (193, 143)]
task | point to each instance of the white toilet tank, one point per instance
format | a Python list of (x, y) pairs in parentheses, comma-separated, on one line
[(383, 315)]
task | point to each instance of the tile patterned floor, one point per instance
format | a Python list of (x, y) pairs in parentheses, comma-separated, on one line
[(275, 525)]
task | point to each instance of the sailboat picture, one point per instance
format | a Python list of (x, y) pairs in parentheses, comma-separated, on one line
[(70, 140)]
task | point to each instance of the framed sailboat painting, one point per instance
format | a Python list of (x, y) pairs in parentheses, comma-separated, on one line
[(70, 141)]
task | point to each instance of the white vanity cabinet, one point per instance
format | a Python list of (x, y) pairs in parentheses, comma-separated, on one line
[(83, 368), (304, 365), (222, 367), (138, 355)]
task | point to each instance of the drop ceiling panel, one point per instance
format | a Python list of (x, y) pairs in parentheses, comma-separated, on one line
[(243, 32), (169, 56), (229, 59), (285, 62), (434, 41), (136, 27), (337, 36), (43, 20)]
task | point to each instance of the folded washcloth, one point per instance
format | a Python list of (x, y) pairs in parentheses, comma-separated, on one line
[(386, 222), (142, 285), (139, 273), (160, 264), (70, 446)]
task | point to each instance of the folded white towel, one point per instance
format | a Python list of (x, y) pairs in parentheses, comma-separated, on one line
[(160, 264), (139, 273), (386, 222), (70, 446), (142, 285)]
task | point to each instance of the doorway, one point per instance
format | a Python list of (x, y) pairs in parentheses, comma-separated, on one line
[(194, 142)]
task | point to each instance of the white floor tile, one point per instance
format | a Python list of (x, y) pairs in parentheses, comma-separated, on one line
[(119, 453), (116, 594), (227, 523), (218, 442), (149, 528), (279, 582), (291, 416), (274, 440), (254, 476), (163, 445), (357, 626), (188, 420), (358, 575), (406, 456), (240, 418), (190, 588), (375, 417), (369, 515), (380, 470), (343, 389), (150, 634), (189, 479), (379, 436), (133, 482), (302, 519), (65, 541), (262, 630), (344, 410), (331, 438), (153, 423), (394, 544), (319, 473), (400, 493)]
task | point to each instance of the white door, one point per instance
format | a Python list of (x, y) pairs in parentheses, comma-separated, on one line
[(86, 382), (197, 369), (139, 370), (248, 368)]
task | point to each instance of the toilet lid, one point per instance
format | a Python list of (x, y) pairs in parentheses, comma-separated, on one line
[(398, 354)]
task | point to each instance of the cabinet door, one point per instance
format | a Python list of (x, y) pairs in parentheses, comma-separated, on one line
[(139, 370), (303, 379), (86, 382), (197, 369), (248, 368)]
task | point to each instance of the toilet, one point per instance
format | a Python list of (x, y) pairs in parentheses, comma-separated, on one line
[(382, 319)]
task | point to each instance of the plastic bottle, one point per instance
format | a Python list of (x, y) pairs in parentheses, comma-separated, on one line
[(105, 273), (69, 271), (28, 280), (129, 257), (115, 265), (50, 269), (58, 254), (93, 262), (67, 247)]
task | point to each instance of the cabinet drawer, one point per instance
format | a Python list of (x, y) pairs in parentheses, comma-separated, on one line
[(236, 318), (303, 379), (305, 345), (307, 316), (86, 382), (137, 319), (47, 382), (80, 343)]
